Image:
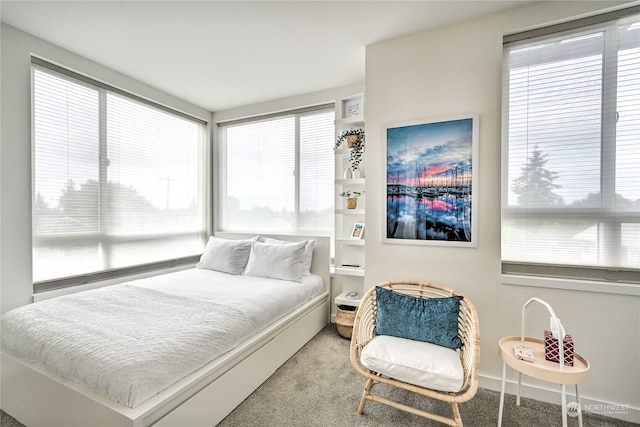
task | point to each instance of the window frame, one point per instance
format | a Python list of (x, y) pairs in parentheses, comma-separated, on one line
[(221, 154), (100, 235), (586, 278)]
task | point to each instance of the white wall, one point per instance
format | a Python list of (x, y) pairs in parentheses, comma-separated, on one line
[(457, 69), (15, 149)]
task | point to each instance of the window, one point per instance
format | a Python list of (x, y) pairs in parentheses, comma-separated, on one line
[(277, 173), (117, 182), (571, 149)]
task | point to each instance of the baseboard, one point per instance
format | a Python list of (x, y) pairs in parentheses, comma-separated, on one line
[(533, 391)]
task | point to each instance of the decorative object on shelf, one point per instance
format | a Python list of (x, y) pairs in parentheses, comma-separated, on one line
[(358, 230), (353, 137), (352, 198), (355, 174), (347, 173), (522, 352), (355, 141), (552, 352), (352, 295), (431, 174), (352, 107), (355, 157)]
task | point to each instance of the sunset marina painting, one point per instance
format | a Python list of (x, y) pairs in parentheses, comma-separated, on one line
[(430, 182)]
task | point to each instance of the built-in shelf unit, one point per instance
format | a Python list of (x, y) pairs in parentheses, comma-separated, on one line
[(349, 267)]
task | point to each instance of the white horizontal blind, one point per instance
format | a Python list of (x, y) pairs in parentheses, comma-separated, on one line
[(571, 141), (117, 182), (277, 173), (571, 177), (316, 171)]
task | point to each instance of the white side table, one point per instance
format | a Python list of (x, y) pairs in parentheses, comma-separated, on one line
[(543, 370)]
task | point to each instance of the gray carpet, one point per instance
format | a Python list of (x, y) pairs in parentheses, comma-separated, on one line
[(319, 387)]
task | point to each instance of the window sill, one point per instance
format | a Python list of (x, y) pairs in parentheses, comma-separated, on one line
[(53, 293), (572, 285)]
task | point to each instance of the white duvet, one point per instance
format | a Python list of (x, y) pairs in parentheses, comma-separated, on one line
[(129, 342)]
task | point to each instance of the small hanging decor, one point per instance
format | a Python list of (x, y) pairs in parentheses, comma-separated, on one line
[(352, 136), (355, 141)]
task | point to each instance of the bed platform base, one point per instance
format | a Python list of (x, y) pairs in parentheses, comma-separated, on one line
[(204, 398), (37, 398)]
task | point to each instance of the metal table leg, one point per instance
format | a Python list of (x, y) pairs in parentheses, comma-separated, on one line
[(563, 393), (504, 378), (579, 407)]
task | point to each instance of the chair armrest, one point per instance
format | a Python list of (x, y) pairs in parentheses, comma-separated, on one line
[(364, 326)]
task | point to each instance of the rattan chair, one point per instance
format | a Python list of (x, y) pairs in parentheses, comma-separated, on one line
[(469, 333)]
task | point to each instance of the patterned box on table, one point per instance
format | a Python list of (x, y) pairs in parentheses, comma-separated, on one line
[(551, 350)]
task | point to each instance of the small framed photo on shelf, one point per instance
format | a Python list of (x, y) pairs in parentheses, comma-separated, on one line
[(358, 230)]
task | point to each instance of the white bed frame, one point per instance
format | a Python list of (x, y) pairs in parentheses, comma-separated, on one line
[(36, 397)]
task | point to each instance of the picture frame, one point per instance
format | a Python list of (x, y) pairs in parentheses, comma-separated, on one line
[(431, 182), (352, 107), (358, 230)]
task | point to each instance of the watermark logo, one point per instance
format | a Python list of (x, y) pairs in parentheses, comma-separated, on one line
[(573, 409)]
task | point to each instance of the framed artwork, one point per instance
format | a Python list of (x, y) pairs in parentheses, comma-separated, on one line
[(358, 230), (352, 107), (431, 182)]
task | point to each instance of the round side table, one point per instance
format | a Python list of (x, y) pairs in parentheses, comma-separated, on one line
[(542, 369)]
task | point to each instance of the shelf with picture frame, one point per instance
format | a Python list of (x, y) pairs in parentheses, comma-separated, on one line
[(349, 263)]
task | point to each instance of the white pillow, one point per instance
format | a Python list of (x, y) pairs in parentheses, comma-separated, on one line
[(284, 262), (308, 250), (415, 362), (228, 256)]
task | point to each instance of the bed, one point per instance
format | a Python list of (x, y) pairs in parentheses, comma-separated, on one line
[(190, 390)]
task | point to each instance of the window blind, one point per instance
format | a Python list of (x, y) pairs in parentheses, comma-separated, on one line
[(571, 149), (117, 183), (316, 210), (277, 173)]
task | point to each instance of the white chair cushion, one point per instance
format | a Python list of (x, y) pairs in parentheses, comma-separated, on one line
[(415, 362)]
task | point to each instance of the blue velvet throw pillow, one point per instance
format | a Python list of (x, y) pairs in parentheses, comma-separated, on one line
[(434, 320)]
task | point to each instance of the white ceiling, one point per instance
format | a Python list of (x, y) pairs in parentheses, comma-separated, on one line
[(224, 54)]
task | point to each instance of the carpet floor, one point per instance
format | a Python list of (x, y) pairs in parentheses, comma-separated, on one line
[(318, 387)]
